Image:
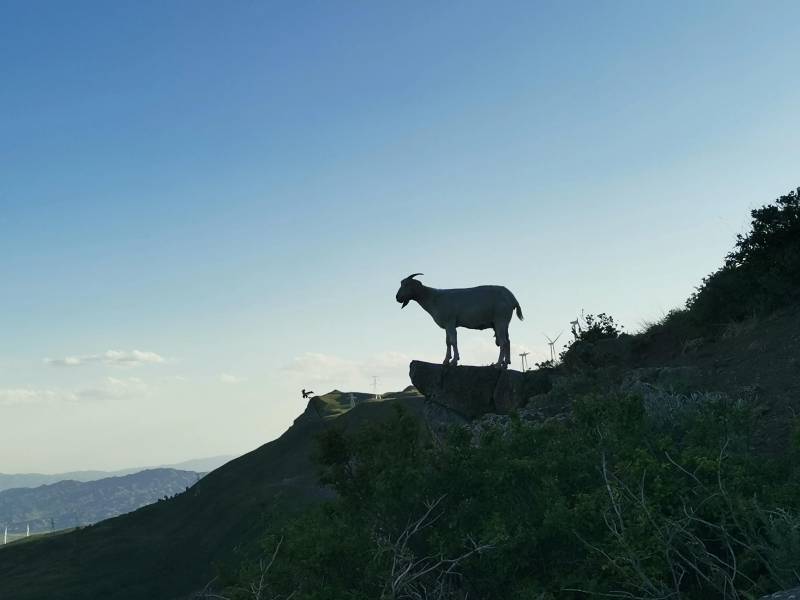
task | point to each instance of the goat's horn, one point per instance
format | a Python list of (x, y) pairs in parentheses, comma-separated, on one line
[(414, 275)]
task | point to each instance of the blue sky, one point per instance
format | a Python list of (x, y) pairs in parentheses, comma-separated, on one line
[(206, 206)]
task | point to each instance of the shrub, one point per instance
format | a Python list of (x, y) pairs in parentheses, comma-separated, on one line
[(618, 500), (761, 273), (599, 327), (594, 345)]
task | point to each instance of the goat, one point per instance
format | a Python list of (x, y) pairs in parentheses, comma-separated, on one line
[(482, 307)]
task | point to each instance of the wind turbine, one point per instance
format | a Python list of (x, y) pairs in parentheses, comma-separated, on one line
[(575, 326), (552, 344), (524, 361), (5, 536)]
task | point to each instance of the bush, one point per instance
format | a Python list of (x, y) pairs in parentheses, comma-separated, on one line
[(594, 346), (761, 274), (618, 500), (600, 327)]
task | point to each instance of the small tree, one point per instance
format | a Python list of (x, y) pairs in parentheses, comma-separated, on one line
[(581, 351), (761, 273)]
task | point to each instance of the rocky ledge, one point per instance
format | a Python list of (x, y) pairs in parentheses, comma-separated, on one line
[(475, 391)]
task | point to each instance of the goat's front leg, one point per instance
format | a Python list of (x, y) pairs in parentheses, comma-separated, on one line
[(447, 341), (452, 335)]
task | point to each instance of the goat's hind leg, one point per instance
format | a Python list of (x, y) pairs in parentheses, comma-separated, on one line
[(452, 341), (501, 339)]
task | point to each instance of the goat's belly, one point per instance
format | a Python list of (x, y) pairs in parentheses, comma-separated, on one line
[(475, 325)]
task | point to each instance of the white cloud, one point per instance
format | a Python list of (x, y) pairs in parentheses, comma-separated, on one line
[(321, 367), (336, 372), (116, 389), (110, 389), (323, 371), (28, 397), (232, 379), (116, 358)]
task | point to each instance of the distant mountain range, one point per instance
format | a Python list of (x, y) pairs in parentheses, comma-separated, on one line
[(28, 480), (72, 503)]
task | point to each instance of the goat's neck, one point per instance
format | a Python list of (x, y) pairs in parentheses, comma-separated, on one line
[(426, 298)]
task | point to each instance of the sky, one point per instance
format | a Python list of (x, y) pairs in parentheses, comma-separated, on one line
[(206, 206)]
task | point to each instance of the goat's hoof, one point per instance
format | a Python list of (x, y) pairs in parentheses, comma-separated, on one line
[(454, 362)]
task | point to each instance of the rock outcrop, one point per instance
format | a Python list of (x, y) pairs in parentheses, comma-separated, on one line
[(475, 391)]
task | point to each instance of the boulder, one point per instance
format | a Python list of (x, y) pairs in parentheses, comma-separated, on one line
[(475, 391)]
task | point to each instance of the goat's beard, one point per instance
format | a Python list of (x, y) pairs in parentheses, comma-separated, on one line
[(405, 303)]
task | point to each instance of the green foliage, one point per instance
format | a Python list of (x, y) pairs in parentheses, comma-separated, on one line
[(618, 499), (762, 273), (595, 344), (599, 327)]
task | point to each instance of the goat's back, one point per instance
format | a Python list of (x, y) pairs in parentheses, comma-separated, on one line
[(478, 307)]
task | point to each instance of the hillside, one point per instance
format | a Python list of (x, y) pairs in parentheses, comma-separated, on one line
[(68, 504), (167, 549), (664, 464), (20, 480)]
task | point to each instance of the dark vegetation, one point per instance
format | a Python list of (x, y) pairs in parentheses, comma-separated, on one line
[(669, 470), (615, 501), (761, 274)]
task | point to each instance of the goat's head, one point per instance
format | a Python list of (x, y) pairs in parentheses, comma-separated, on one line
[(409, 288)]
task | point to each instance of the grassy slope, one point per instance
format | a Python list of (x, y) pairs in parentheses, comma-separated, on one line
[(758, 359), (166, 550)]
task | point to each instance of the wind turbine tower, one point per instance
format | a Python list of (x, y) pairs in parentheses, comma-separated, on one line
[(575, 327), (523, 356), (552, 344)]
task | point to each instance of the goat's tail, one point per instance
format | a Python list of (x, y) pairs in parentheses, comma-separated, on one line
[(519, 313)]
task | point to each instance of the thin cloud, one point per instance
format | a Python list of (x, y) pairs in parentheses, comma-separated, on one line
[(31, 397), (115, 389), (335, 371), (114, 358), (231, 379), (111, 388)]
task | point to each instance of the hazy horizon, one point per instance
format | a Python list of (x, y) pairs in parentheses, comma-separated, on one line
[(206, 208)]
